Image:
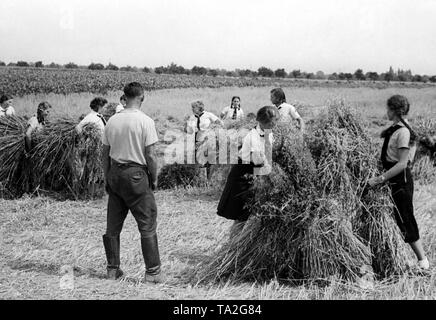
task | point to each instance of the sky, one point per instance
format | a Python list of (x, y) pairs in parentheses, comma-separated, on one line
[(311, 35)]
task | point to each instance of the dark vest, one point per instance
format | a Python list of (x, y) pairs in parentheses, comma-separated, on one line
[(388, 134)]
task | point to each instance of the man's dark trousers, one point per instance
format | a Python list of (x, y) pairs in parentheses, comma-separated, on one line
[(129, 189)]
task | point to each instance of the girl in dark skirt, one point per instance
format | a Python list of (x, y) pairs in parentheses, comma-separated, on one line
[(252, 161), (397, 153)]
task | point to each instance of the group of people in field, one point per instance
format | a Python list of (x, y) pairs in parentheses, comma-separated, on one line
[(130, 166)]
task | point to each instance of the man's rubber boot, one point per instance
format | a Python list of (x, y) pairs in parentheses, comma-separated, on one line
[(112, 248), (150, 252)]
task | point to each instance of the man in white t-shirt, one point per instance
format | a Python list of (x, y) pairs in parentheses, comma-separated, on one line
[(96, 105), (287, 112), (130, 169)]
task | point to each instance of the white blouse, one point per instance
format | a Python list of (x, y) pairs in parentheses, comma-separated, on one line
[(228, 113), (288, 112), (253, 149)]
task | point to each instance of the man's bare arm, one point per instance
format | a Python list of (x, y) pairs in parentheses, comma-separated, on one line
[(151, 158)]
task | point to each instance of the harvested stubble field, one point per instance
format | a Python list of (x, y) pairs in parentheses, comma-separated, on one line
[(40, 235)]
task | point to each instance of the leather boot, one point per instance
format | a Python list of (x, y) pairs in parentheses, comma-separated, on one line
[(150, 252), (112, 248)]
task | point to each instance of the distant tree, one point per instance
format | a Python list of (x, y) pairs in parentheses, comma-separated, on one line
[(54, 65), (265, 72), (333, 76), (341, 76), (245, 73), (127, 69), (390, 75), (280, 73), (111, 66), (199, 71), (39, 64), (432, 79), (2, 64), (22, 64), (96, 66), (345, 76), (71, 65), (320, 75), (231, 74), (309, 75), (221, 72), (358, 74), (146, 70), (12, 64), (372, 76), (425, 78), (175, 69), (295, 73), (404, 75), (417, 78), (160, 70), (212, 72)]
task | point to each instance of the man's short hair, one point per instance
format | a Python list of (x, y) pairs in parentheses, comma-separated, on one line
[(133, 90), (97, 103)]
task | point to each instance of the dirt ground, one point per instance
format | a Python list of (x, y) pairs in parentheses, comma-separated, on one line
[(39, 236)]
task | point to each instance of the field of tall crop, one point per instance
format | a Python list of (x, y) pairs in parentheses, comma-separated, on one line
[(39, 235), (22, 81)]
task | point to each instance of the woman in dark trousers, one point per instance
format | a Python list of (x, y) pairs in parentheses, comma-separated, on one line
[(397, 153), (252, 161)]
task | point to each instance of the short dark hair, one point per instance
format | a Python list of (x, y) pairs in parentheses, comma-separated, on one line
[(266, 114), (279, 94), (97, 103), (5, 97), (133, 90)]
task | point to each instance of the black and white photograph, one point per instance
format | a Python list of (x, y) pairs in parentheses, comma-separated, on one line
[(217, 154)]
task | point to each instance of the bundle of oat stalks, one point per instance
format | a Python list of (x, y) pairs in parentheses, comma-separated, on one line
[(315, 216), (12, 156), (68, 163)]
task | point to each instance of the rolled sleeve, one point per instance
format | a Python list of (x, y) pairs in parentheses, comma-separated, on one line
[(213, 117), (150, 134), (293, 112), (246, 149), (403, 139)]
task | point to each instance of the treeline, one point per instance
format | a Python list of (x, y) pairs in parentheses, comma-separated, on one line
[(359, 74)]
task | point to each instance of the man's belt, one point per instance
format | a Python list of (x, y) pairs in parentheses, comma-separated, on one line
[(122, 165)]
